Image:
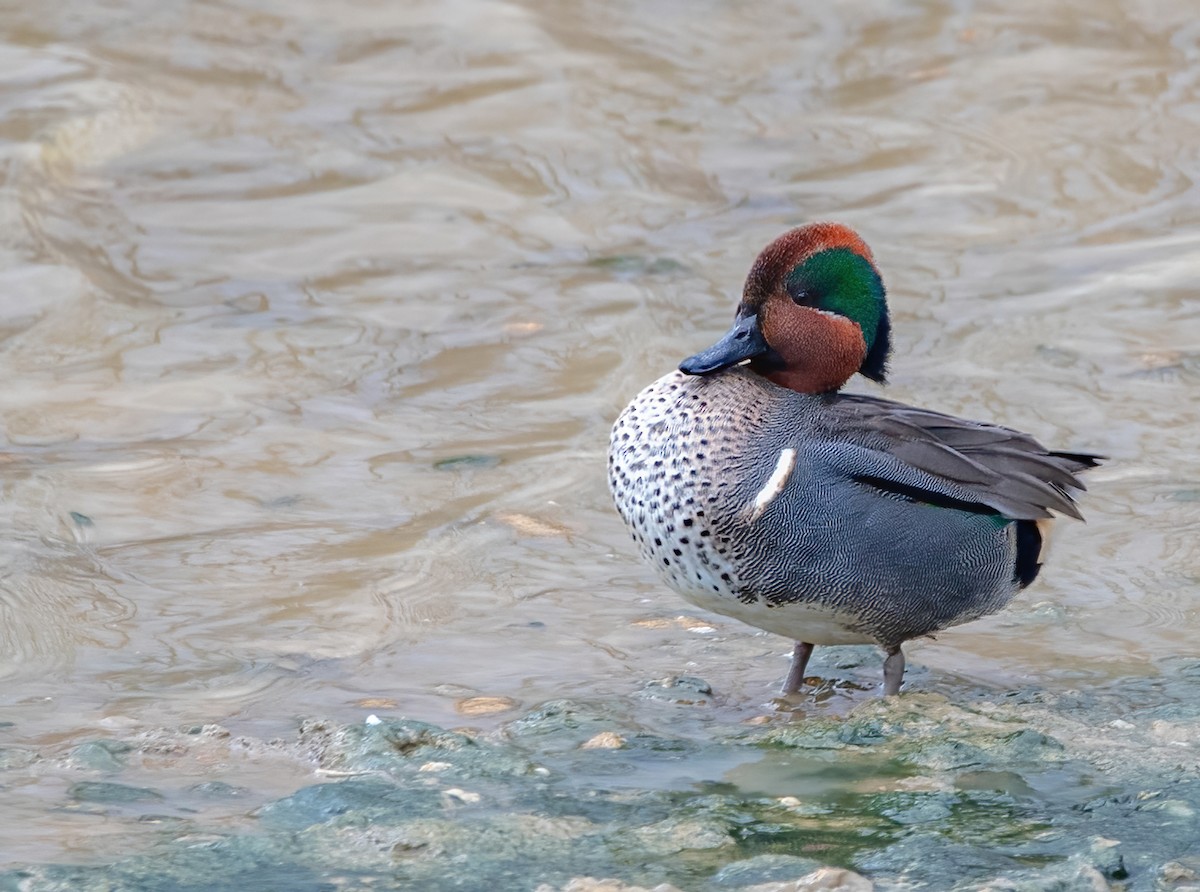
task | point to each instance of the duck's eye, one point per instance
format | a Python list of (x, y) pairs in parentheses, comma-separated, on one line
[(801, 296)]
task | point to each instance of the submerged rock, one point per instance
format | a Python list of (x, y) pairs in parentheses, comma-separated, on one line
[(1071, 876), (403, 746), (591, 884), (102, 755), (684, 690), (764, 869), (99, 791), (16, 757), (361, 801), (823, 879)]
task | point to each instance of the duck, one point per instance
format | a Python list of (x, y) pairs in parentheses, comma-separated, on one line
[(760, 491)]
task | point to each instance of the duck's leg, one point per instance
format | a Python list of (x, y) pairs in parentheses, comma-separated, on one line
[(893, 671), (795, 677)]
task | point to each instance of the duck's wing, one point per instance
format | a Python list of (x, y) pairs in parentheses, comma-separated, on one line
[(944, 460)]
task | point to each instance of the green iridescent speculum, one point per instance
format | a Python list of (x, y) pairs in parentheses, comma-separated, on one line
[(844, 282)]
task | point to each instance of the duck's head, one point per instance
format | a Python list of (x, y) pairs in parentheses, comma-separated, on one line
[(813, 312)]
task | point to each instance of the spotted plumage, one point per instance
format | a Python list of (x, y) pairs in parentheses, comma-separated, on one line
[(759, 491)]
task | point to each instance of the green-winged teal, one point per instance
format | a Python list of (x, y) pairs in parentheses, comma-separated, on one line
[(759, 491)]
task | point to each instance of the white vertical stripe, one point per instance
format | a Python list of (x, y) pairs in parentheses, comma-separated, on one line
[(774, 485)]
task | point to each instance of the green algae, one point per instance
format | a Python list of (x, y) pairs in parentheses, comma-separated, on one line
[(470, 462), (915, 793)]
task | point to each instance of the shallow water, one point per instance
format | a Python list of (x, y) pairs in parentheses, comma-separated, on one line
[(314, 321)]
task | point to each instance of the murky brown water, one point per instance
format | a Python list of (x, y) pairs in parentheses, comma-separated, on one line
[(314, 319)]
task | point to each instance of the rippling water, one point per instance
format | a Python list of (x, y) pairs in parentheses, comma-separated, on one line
[(314, 319)]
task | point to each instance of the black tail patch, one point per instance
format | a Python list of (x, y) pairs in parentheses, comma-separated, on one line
[(1029, 549), (1083, 459)]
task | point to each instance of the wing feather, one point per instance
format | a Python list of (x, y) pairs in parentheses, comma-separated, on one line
[(953, 461)]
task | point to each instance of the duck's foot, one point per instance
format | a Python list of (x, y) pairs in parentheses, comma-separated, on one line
[(795, 677), (893, 672)]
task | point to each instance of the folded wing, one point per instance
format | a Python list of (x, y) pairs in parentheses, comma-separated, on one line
[(949, 461)]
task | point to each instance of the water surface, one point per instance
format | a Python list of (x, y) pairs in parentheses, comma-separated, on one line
[(314, 319)]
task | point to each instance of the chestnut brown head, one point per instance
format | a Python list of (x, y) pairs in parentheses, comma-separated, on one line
[(813, 312)]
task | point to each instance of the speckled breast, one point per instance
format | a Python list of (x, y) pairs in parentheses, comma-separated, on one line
[(665, 459), (684, 475)]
